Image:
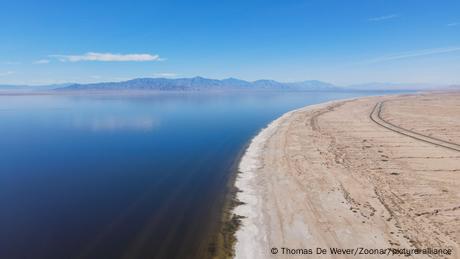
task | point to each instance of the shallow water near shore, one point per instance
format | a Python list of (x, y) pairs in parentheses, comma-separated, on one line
[(125, 176)]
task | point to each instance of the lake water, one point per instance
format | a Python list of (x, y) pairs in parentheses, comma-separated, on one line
[(123, 176)]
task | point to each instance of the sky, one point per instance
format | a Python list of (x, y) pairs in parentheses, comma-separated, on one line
[(342, 42)]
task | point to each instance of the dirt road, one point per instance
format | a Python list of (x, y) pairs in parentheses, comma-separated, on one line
[(342, 176)]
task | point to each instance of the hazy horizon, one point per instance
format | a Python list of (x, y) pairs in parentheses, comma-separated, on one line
[(297, 81)]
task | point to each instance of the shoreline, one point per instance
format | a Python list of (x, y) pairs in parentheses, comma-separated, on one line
[(326, 176), (248, 241), (224, 238)]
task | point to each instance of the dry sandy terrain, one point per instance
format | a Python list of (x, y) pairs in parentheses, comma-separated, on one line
[(331, 176)]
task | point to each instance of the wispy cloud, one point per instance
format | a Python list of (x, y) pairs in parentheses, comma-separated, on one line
[(383, 18), (453, 24), (165, 75), (11, 63), (107, 57), (412, 54), (7, 73), (42, 61)]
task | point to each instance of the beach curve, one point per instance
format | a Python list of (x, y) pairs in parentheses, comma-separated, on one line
[(327, 176)]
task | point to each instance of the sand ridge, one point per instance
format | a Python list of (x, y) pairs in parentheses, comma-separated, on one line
[(328, 176)]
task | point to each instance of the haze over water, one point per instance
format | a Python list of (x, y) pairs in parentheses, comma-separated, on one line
[(120, 176)]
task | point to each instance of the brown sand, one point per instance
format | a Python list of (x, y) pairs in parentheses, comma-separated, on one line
[(329, 176)]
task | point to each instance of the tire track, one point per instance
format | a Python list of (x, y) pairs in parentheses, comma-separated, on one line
[(375, 116)]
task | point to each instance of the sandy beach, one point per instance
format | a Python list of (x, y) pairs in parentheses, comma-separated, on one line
[(371, 177)]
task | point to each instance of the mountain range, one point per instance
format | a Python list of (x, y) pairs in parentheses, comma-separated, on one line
[(202, 84), (205, 84)]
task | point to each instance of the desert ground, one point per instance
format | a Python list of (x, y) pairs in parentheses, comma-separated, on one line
[(375, 173)]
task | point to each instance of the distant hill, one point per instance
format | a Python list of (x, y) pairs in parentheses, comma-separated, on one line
[(313, 85), (202, 84), (377, 86), (31, 88), (206, 84)]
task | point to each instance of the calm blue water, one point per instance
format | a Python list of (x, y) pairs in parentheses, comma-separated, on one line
[(123, 176)]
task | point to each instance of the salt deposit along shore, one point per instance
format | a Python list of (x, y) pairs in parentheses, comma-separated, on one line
[(371, 175)]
